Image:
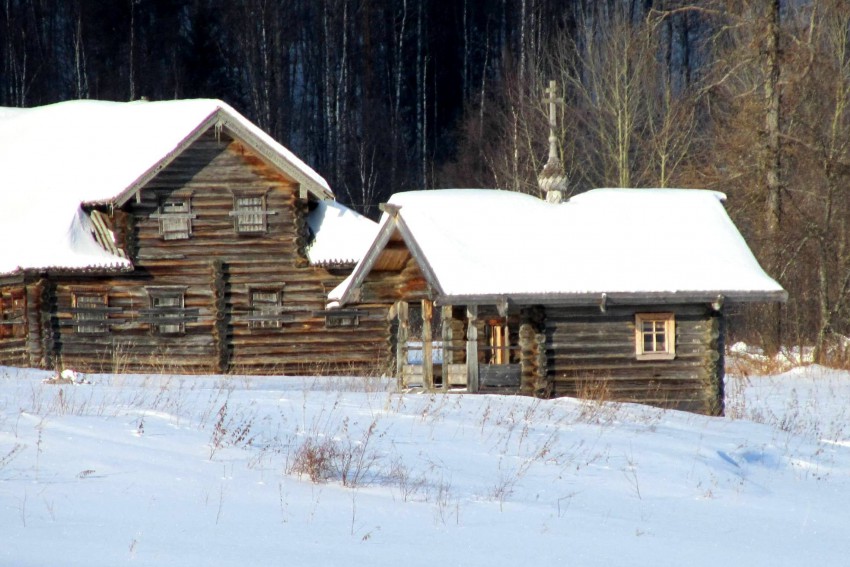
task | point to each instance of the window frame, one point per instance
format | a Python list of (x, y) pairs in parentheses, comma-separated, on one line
[(265, 315), (156, 294), (667, 331), (95, 320), (258, 213), (168, 218), (344, 318)]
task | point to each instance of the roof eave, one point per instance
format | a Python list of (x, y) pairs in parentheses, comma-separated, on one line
[(273, 157), (617, 298), (143, 179), (22, 274)]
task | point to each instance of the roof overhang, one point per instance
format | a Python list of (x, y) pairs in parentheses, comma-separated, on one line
[(22, 275), (618, 298)]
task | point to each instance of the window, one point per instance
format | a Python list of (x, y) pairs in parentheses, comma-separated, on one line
[(655, 336), (342, 318), (90, 312), (175, 219), (12, 314), (167, 313), (266, 308), (250, 214)]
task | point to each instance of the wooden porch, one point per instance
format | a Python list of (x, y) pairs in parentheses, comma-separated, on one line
[(468, 349)]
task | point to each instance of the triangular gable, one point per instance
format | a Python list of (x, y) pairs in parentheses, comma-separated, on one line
[(232, 123), (392, 228)]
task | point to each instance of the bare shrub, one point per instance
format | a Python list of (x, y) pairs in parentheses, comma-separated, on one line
[(315, 457), (334, 455)]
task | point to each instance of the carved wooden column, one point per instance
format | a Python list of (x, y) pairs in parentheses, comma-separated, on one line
[(427, 345), (471, 349), (401, 342), (446, 336)]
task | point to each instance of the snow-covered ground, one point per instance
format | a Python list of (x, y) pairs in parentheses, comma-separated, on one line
[(187, 471)]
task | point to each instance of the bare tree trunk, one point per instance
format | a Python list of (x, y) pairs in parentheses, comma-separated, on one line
[(772, 125), (421, 102), (773, 204), (132, 51), (81, 76)]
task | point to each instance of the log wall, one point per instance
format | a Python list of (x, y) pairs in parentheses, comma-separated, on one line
[(591, 354)]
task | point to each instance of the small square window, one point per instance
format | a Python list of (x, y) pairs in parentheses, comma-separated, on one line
[(266, 309), (175, 219), (90, 313), (250, 214), (349, 318), (167, 311), (655, 336)]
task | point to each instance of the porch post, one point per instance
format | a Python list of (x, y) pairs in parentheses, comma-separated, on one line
[(446, 335), (471, 349), (401, 342), (427, 346)]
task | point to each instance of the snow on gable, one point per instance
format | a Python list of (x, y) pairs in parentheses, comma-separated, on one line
[(55, 158), (340, 234), (629, 241)]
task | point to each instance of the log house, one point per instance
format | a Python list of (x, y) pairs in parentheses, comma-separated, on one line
[(173, 236), (593, 297)]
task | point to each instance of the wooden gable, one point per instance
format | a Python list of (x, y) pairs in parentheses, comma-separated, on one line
[(216, 195)]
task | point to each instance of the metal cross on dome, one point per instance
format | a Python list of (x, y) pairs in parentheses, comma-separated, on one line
[(552, 99), (553, 180)]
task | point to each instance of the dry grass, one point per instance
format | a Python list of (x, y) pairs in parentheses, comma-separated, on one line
[(597, 403)]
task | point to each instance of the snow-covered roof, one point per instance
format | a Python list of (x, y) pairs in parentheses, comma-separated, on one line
[(479, 244), (341, 235), (55, 158)]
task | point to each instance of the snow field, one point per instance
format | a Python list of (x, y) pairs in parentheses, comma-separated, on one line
[(155, 470)]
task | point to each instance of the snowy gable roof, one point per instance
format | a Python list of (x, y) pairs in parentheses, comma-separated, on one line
[(340, 235), (56, 157), (668, 244)]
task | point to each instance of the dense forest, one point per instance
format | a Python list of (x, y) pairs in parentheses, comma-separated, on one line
[(748, 97)]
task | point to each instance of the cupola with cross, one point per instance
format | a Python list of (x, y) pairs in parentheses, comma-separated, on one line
[(552, 179)]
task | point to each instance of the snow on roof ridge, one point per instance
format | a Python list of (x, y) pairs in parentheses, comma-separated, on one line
[(615, 241)]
